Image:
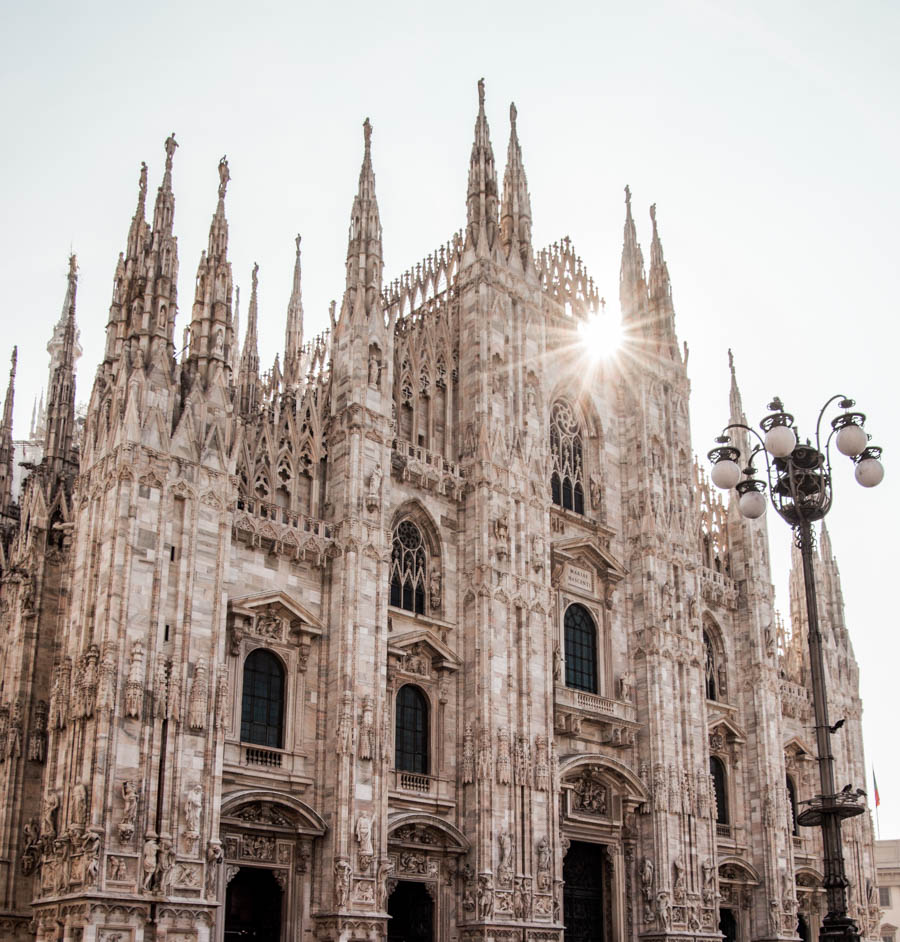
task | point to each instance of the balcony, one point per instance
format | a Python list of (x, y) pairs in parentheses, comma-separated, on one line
[(615, 718), (718, 589), (413, 782), (723, 830), (426, 792), (427, 469), (267, 758), (258, 522)]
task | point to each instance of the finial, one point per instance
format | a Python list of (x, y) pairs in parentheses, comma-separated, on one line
[(142, 183), (73, 265), (254, 279), (367, 134), (14, 358), (653, 214), (627, 195), (297, 243), (170, 146), (512, 114), (224, 176), (481, 93), (730, 361)]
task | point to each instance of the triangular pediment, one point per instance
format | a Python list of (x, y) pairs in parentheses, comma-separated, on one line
[(588, 553), (799, 749), (729, 731), (279, 604), (423, 644)]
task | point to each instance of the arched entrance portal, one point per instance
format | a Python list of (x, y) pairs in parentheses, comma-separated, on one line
[(412, 913), (803, 928), (253, 907), (585, 869), (728, 925)]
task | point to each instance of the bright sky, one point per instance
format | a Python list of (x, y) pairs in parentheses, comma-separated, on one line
[(766, 133)]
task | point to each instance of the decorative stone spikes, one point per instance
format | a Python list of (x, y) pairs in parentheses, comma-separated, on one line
[(293, 331), (364, 251), (481, 196), (249, 373), (211, 324), (515, 216), (163, 214), (658, 282), (61, 399), (6, 442), (632, 287)]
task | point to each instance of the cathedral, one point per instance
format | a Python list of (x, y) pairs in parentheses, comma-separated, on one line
[(434, 631)]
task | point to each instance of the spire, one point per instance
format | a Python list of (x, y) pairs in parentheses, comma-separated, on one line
[(164, 211), (660, 291), (293, 331), (6, 439), (481, 197), (249, 373), (137, 230), (736, 411), (632, 287), (61, 398), (515, 214), (211, 324), (364, 253)]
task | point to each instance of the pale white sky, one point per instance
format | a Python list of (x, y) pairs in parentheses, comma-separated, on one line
[(766, 133)]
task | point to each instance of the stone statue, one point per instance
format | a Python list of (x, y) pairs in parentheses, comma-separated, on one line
[(224, 176), (544, 860), (505, 866), (214, 857), (130, 795), (626, 686), (193, 802), (149, 857), (79, 805), (49, 814), (341, 882), (165, 866), (367, 730), (364, 835)]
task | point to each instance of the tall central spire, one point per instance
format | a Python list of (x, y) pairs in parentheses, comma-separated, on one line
[(248, 382), (515, 214), (61, 400), (481, 197), (364, 252), (293, 330), (632, 287), (6, 440)]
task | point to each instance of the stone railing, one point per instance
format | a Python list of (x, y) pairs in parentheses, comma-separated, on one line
[(427, 469), (594, 706), (263, 510), (268, 758), (717, 589), (288, 532), (414, 782)]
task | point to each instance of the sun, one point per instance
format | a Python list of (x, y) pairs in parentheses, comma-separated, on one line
[(601, 335)]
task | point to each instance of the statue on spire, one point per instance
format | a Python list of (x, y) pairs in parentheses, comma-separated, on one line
[(481, 93), (513, 114), (653, 214), (627, 195), (142, 182), (170, 146), (224, 176), (367, 135), (297, 243)]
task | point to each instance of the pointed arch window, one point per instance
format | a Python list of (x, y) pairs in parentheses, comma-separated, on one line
[(262, 704), (720, 789), (711, 668), (409, 568), (581, 649), (792, 805), (567, 458), (411, 731)]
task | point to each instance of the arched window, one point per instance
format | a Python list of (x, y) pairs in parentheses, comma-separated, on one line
[(792, 804), (711, 668), (581, 649), (567, 458), (720, 790), (409, 568), (411, 745), (262, 707)]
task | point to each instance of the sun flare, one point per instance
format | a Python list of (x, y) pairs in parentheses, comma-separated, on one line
[(601, 335)]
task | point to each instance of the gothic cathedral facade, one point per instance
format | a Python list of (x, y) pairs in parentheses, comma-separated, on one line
[(429, 633)]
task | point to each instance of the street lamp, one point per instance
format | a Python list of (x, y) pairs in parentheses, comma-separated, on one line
[(799, 484)]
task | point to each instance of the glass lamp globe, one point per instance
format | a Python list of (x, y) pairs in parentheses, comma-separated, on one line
[(725, 473), (869, 472), (752, 504), (851, 440), (780, 441)]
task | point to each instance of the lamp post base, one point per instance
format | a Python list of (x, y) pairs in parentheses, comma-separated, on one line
[(838, 929)]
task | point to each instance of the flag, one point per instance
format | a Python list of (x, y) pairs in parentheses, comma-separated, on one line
[(875, 783)]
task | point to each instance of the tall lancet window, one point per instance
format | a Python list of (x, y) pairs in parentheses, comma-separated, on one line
[(710, 668), (409, 568), (567, 458)]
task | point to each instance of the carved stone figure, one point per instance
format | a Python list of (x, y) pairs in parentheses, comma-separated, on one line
[(14, 736), (505, 865), (165, 866), (373, 495), (193, 802), (434, 590), (385, 869), (49, 814), (663, 910), (130, 794), (90, 849), (32, 846), (214, 858), (541, 764), (647, 888), (589, 793), (149, 857), (485, 896), (367, 730), (484, 755), (37, 740), (342, 872), (544, 862), (468, 761), (504, 763), (626, 686), (709, 882), (678, 879), (199, 696), (79, 805), (364, 840)]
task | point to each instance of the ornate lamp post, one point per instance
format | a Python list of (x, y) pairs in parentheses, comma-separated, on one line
[(799, 482)]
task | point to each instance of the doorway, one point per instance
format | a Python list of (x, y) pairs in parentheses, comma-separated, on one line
[(583, 897), (803, 928), (412, 913), (253, 907), (728, 925)]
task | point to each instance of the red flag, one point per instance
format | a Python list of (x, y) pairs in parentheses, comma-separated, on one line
[(875, 783)]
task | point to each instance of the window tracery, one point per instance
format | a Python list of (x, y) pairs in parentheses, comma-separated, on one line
[(581, 649), (567, 458), (409, 568), (720, 789)]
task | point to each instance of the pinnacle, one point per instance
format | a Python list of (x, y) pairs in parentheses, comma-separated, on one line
[(481, 198)]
